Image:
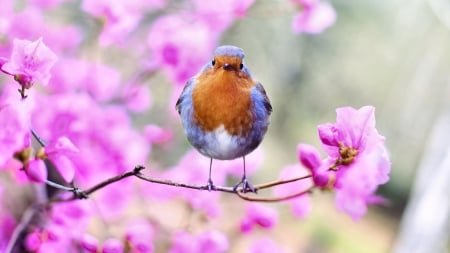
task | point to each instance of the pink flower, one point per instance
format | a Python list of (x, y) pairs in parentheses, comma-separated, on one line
[(265, 245), (112, 245), (357, 154), (137, 98), (139, 236), (102, 82), (156, 134), (219, 15), (89, 244), (310, 158), (120, 18), (36, 171), (260, 215), (314, 18), (58, 152), (180, 46), (300, 206), (209, 241), (213, 241), (30, 61), (14, 125)]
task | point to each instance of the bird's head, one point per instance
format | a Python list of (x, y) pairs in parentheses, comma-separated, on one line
[(229, 58)]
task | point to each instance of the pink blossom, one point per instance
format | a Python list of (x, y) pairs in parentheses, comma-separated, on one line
[(36, 171), (89, 244), (137, 98), (213, 241), (14, 125), (105, 137), (360, 158), (209, 241), (30, 61), (183, 242), (300, 206), (139, 236), (46, 3), (260, 215), (310, 158), (265, 245), (64, 79), (156, 134), (219, 15), (180, 46), (58, 152), (314, 17), (102, 82), (112, 245), (120, 17)]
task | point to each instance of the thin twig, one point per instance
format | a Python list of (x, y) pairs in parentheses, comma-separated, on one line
[(38, 138), (274, 199), (20, 228), (279, 182), (184, 185)]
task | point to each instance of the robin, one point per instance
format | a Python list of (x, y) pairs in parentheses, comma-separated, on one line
[(224, 111)]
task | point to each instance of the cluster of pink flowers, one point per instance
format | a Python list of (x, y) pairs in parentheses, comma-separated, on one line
[(357, 161), (74, 122)]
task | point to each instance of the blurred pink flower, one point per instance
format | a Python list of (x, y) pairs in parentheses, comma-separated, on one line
[(139, 236), (102, 82), (59, 152), (157, 134), (64, 79), (180, 46), (120, 18), (358, 152), (105, 136), (260, 215), (219, 15), (30, 61), (137, 98), (89, 243), (14, 123), (46, 3), (112, 245), (314, 17), (209, 241), (213, 241), (265, 245), (36, 171), (300, 206)]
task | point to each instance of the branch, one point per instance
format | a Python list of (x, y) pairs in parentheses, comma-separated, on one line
[(20, 228), (80, 194)]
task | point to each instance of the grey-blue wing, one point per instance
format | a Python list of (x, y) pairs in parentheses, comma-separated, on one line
[(187, 88), (266, 101)]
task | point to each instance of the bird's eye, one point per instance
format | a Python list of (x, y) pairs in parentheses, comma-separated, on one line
[(213, 62), (241, 66)]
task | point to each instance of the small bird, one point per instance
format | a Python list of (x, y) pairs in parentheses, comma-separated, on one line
[(224, 111)]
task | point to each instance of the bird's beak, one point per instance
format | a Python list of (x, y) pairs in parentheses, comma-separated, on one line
[(227, 66)]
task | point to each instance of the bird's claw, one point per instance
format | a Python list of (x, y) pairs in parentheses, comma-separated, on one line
[(246, 186), (209, 186)]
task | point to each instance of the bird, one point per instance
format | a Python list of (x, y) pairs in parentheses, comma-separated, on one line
[(224, 111)]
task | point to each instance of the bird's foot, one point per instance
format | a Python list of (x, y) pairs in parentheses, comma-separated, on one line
[(209, 186), (245, 186)]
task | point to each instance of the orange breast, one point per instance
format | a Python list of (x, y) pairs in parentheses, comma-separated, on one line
[(222, 97)]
